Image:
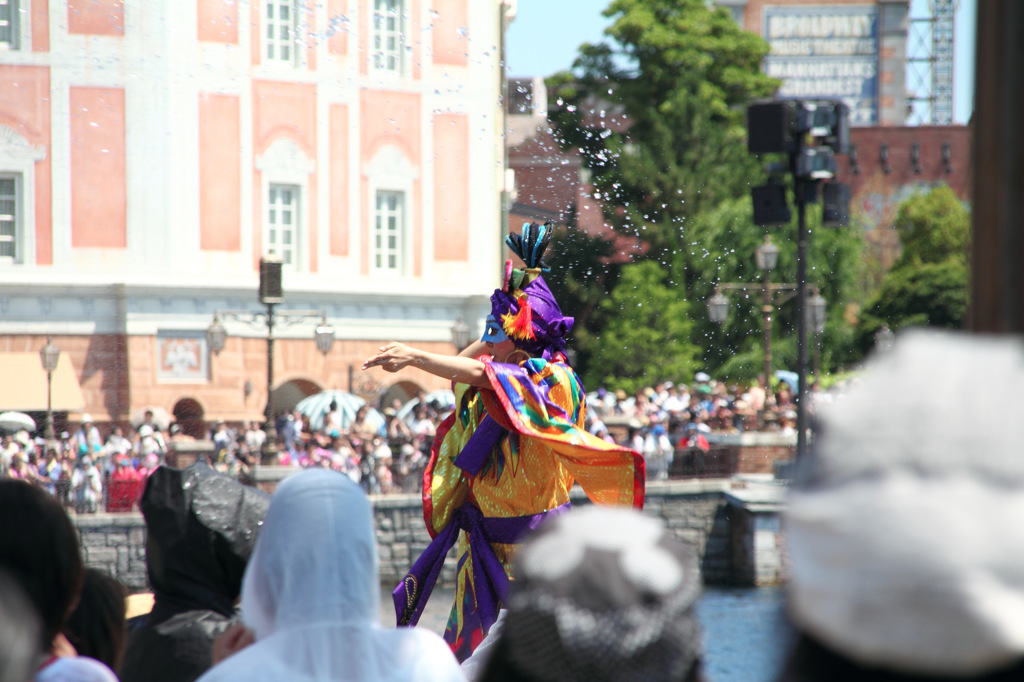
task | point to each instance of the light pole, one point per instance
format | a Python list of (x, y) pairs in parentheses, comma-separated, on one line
[(767, 256), (816, 318), (49, 355), (460, 335), (270, 294)]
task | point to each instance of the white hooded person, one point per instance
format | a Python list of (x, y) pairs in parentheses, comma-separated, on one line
[(311, 597)]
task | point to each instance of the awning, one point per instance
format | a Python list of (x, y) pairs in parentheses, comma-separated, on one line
[(23, 384)]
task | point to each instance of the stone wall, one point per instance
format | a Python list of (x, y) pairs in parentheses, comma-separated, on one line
[(698, 511), (755, 535), (115, 543)]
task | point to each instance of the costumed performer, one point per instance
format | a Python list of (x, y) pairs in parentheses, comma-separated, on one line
[(507, 456)]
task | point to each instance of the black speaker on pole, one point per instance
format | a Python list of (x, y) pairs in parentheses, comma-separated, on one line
[(270, 279), (769, 126), (835, 204), (770, 207)]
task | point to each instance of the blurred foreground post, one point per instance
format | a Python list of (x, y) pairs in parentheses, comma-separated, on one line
[(997, 250)]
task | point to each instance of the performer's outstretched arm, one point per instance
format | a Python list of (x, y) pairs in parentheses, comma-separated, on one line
[(394, 356)]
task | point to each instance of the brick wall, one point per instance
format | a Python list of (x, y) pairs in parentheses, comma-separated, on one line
[(756, 452)]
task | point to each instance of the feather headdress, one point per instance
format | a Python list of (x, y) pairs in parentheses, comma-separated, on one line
[(525, 306)]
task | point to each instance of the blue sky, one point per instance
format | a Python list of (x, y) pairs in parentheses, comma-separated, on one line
[(545, 34)]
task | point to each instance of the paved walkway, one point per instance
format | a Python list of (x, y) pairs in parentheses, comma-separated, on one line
[(435, 615)]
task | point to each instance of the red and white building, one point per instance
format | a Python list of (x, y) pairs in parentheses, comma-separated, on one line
[(152, 151)]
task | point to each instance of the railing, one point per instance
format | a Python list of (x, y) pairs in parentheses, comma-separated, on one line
[(718, 462)]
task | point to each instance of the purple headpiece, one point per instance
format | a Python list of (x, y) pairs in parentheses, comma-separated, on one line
[(524, 305)]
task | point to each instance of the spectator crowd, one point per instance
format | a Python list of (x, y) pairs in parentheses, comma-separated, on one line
[(90, 471)]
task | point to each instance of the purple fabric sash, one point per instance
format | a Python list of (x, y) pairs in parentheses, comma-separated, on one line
[(490, 581), (486, 435)]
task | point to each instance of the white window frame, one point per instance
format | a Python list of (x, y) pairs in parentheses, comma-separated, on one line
[(19, 32), (276, 228), (16, 217), (388, 33), (389, 229), (284, 164), (272, 46), (390, 171), (18, 159)]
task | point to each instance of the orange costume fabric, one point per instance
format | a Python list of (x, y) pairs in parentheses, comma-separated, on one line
[(524, 474)]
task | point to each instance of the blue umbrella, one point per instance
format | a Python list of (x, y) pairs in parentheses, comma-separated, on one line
[(789, 377), (316, 407)]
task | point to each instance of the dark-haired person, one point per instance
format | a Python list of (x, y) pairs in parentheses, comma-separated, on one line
[(97, 627), (39, 550), (507, 456)]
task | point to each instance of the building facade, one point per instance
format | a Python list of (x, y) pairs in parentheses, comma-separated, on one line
[(153, 151), (852, 50)]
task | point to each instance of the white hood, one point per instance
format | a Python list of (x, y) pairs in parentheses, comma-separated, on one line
[(311, 595)]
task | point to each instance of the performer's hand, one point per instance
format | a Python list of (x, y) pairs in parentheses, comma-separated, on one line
[(392, 357), (231, 641), (395, 356)]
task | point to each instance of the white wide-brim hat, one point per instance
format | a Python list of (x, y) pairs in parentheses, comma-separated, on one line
[(904, 532)]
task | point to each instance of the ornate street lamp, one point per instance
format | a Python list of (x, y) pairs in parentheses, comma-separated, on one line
[(50, 356), (460, 335), (767, 257), (270, 294)]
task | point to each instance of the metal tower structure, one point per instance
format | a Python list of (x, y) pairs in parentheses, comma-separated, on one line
[(930, 65)]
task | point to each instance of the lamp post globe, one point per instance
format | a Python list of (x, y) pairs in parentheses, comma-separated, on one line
[(324, 336), (216, 336), (816, 313), (718, 307), (767, 255), (460, 334), (884, 338)]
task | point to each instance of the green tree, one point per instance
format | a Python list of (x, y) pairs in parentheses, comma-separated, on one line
[(646, 336), (585, 270), (928, 284), (658, 114), (933, 227)]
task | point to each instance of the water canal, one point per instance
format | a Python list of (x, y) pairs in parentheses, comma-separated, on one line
[(745, 636)]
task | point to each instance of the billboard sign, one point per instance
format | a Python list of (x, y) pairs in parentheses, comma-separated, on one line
[(826, 52)]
